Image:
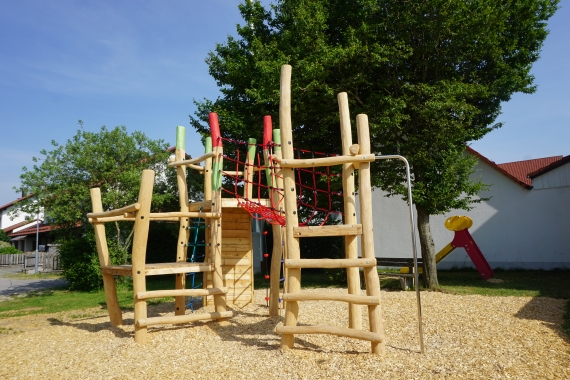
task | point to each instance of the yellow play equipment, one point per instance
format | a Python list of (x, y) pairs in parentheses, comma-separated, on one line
[(460, 224)]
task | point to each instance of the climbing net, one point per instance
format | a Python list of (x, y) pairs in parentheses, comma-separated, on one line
[(252, 176)]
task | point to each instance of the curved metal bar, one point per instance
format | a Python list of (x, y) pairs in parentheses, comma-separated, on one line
[(414, 245)]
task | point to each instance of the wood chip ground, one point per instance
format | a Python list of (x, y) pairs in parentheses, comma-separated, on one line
[(466, 337)]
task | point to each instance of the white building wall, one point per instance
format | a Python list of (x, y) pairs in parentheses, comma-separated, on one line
[(559, 177), (5, 218), (516, 228)]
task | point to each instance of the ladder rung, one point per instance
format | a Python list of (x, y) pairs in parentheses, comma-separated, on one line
[(181, 292), (173, 319), (351, 298), (331, 330), (329, 263), (339, 230)]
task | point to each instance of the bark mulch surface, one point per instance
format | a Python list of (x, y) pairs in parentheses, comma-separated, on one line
[(470, 337)]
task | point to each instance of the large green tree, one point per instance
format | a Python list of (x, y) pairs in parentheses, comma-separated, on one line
[(431, 76), (111, 159)]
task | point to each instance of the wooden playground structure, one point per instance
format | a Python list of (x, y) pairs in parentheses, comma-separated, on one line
[(228, 263)]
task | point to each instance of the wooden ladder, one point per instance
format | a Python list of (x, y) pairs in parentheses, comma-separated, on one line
[(139, 213), (355, 156)]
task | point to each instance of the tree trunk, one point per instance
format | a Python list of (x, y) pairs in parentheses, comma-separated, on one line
[(428, 249)]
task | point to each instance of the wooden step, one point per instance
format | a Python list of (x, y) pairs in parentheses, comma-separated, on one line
[(174, 319), (181, 292), (339, 230), (351, 298), (329, 263), (331, 330), (160, 268)]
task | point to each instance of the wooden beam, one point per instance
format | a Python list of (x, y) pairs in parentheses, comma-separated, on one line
[(174, 319), (330, 263), (351, 298), (331, 330), (180, 292), (120, 211), (340, 230), (196, 160), (325, 161)]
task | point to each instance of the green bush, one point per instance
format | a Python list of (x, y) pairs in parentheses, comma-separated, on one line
[(78, 256), (8, 250), (80, 261), (4, 237)]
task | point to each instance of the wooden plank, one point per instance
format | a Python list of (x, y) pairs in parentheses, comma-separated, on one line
[(329, 263), (245, 261), (117, 270), (120, 211), (174, 319), (351, 298), (196, 160), (174, 270), (235, 233), (196, 206), (340, 230), (237, 241), (331, 330), (325, 161), (237, 255), (180, 292), (185, 214)]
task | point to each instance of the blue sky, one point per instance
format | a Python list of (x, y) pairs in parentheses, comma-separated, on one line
[(140, 64)]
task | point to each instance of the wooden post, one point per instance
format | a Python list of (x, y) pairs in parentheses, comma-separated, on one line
[(249, 162), (113, 308), (292, 243), (277, 253), (216, 225), (183, 232), (350, 242), (140, 240), (365, 193)]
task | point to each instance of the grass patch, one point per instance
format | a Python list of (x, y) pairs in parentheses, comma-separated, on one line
[(39, 276), (8, 331), (519, 283), (566, 319), (58, 300)]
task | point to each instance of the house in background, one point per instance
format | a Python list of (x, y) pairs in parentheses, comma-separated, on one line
[(23, 228), (524, 224)]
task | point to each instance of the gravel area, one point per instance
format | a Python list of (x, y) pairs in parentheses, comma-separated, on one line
[(471, 337)]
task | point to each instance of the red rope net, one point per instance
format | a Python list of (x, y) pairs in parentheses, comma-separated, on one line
[(253, 182)]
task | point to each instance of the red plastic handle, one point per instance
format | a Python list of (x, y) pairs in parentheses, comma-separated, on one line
[(267, 131), (215, 130)]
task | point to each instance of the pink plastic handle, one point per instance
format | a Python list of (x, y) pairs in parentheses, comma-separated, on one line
[(215, 130)]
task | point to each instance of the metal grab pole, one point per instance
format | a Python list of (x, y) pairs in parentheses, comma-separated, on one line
[(413, 232), (37, 240)]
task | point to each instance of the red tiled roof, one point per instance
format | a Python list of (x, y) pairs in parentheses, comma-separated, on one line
[(13, 202), (549, 167), (524, 184), (14, 226), (32, 230), (522, 169)]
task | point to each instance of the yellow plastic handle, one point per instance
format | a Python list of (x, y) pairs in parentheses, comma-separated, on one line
[(458, 223)]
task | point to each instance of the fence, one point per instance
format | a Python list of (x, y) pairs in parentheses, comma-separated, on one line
[(12, 259), (47, 260)]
